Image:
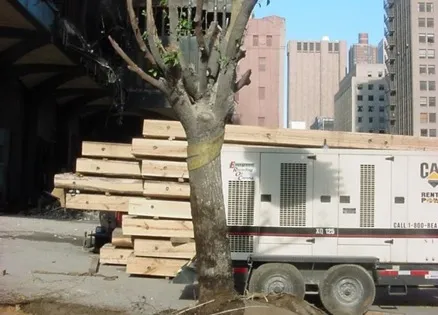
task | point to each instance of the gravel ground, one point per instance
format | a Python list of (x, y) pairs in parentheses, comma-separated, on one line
[(43, 258)]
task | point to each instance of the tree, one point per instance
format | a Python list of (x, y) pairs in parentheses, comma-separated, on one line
[(202, 101)]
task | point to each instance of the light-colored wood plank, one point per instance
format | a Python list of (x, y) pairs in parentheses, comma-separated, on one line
[(159, 148), (99, 184), (96, 202), (157, 267), (165, 189), (170, 169), (121, 241), (111, 255), (297, 138), (160, 209), (137, 226), (163, 248), (107, 150), (108, 167)]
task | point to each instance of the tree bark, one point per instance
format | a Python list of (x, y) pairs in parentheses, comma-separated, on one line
[(213, 255)]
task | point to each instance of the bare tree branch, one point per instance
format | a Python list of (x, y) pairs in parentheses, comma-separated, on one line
[(152, 35), (198, 28), (138, 36), (135, 68), (173, 22), (244, 80)]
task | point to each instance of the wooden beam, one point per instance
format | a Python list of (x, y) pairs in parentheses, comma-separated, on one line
[(108, 167), (121, 241), (170, 169), (160, 209), (107, 150), (99, 184), (255, 135), (159, 148), (165, 267), (96, 202), (111, 255), (163, 248), (166, 189), (156, 228)]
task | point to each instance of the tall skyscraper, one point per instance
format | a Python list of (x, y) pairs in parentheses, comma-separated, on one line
[(412, 62), (315, 69), (362, 52), (361, 103), (261, 103)]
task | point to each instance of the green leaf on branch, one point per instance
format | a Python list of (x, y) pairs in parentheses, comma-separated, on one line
[(171, 58)]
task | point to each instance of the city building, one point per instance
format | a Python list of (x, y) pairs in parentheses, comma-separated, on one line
[(381, 51), (261, 103), (315, 69), (412, 64), (361, 104), (362, 52), (323, 123)]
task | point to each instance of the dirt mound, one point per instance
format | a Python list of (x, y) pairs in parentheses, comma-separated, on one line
[(281, 304)]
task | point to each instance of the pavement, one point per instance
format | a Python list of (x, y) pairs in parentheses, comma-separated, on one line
[(44, 258)]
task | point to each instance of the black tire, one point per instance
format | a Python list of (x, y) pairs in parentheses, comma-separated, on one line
[(277, 278), (347, 290)]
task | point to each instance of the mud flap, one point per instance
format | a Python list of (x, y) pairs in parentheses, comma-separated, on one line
[(187, 274)]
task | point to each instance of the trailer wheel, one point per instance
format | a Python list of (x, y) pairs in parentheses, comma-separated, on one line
[(277, 278), (347, 290)]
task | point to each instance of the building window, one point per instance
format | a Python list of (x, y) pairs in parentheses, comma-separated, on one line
[(381, 87), (423, 118), (423, 101), (261, 121), (432, 86), (421, 7), (262, 64), (370, 87), (318, 47), (381, 109), (431, 53), (421, 22), (336, 46), (359, 86), (255, 40), (430, 22), (430, 38), (370, 74), (330, 47), (262, 91), (423, 69), (432, 133), (432, 101), (360, 109), (370, 109), (299, 46), (422, 38), (423, 132), (429, 7), (431, 69), (422, 53), (370, 120), (359, 119), (269, 40), (432, 117), (423, 85), (380, 74), (360, 97), (371, 98), (312, 46), (381, 98), (382, 120)]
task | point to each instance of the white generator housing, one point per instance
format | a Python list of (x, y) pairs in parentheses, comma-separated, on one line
[(332, 202)]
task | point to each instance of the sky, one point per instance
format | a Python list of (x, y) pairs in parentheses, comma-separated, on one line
[(337, 19)]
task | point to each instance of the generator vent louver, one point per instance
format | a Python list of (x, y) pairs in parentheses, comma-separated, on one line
[(367, 195), (293, 194), (241, 196)]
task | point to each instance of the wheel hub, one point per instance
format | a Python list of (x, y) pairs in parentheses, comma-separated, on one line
[(349, 290), (276, 285)]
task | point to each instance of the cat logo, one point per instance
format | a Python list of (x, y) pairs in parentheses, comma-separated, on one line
[(432, 179), (430, 173)]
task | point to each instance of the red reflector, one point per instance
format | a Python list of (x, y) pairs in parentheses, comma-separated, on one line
[(419, 273), (240, 270), (388, 273)]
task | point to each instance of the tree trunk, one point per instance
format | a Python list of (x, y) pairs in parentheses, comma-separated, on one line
[(213, 256)]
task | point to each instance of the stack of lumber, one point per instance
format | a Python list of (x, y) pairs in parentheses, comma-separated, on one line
[(147, 180)]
